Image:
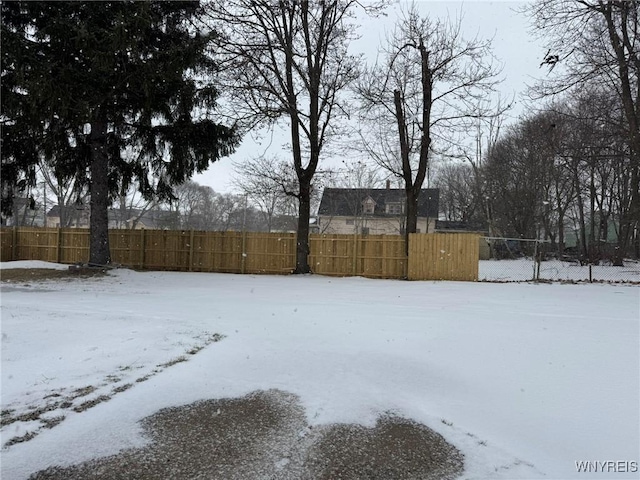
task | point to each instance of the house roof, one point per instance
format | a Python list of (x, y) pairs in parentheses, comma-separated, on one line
[(346, 202), (55, 210), (21, 202)]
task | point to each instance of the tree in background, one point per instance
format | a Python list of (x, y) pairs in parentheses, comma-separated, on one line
[(594, 152), (563, 170), (516, 174), (430, 84), (289, 60), (597, 42), (84, 84), (271, 184), (458, 200), (68, 192)]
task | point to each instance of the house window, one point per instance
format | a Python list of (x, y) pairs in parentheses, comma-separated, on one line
[(394, 208), (368, 206), (349, 221), (365, 230)]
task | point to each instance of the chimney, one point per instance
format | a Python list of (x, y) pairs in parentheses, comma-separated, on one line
[(388, 184)]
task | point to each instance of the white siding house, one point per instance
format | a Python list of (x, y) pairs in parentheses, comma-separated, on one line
[(373, 211)]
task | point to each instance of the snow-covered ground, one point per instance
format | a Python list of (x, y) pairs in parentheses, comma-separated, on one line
[(525, 379)]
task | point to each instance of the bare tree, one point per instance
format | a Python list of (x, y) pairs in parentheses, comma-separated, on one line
[(515, 173), (289, 60), (68, 192), (430, 83), (355, 173), (598, 42), (596, 156), (458, 200), (270, 183), (566, 167)]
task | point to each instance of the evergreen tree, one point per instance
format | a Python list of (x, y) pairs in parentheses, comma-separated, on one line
[(108, 93)]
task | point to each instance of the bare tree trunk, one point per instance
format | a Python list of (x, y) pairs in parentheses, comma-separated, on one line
[(99, 253), (412, 207), (583, 226), (630, 220), (304, 198), (302, 244), (593, 247), (412, 217), (414, 186), (560, 231)]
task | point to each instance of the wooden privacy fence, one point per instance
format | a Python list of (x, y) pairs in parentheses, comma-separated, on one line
[(431, 256)]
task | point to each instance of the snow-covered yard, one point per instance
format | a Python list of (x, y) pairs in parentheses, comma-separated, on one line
[(526, 380)]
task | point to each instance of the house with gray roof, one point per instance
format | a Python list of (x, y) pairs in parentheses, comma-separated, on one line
[(374, 211), (68, 216)]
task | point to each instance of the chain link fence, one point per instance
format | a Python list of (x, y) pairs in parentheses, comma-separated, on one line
[(522, 260)]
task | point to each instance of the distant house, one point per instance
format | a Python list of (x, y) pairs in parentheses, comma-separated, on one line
[(77, 216), (374, 211), (137, 219), (70, 216)]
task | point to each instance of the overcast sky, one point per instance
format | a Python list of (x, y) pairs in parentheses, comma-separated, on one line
[(513, 44)]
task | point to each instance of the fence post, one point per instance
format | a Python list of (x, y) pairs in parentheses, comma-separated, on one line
[(538, 261), (536, 271), (59, 246), (143, 248), (14, 242), (191, 250), (355, 254), (243, 259), (407, 256)]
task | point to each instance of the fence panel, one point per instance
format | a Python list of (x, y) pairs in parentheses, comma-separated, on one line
[(332, 254), (443, 256), (166, 250), (373, 256), (204, 250), (6, 244), (273, 253), (228, 252), (36, 244), (382, 256), (73, 246), (127, 247)]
